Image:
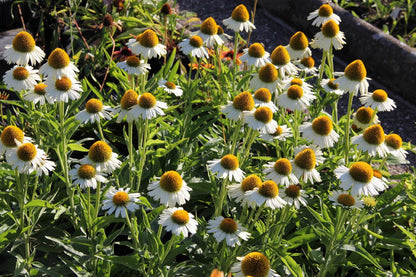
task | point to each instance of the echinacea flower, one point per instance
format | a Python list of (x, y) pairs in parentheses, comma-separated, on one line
[(208, 33), (102, 157), (128, 100), (62, 89), (147, 45), (37, 94), (123, 54), (394, 145), (378, 100), (307, 65), (194, 47), (120, 201), (242, 102), (294, 196), (266, 78), (178, 221), (330, 35), (298, 46), (281, 133), (224, 36), (9, 136), (261, 120), (133, 65), (170, 87), (21, 78), (372, 141), (59, 65), (255, 55), (320, 132), (254, 264), (322, 15), (239, 20), (369, 201), (23, 50), (359, 177), (227, 167), (297, 81), (263, 98), (227, 229), (281, 59), (237, 191), (364, 117), (86, 176), (94, 111), (281, 172), (329, 86), (295, 98), (306, 159), (170, 189), (146, 108), (27, 158), (354, 79), (267, 194), (345, 199)]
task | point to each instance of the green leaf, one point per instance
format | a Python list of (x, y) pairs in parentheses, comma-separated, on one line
[(7, 237), (40, 203), (363, 253), (77, 147), (293, 267)]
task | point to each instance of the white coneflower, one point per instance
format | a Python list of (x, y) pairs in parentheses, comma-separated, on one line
[(147, 45), (294, 98), (372, 141), (133, 65), (62, 89), (394, 145), (281, 172), (345, 200), (354, 79), (237, 191), (170, 189), (297, 81), (329, 86), (102, 156), (128, 100), (59, 65), (307, 65), (255, 55), (359, 177), (266, 78), (320, 132), (170, 87), (294, 196), (9, 136), (364, 117), (119, 201), (254, 264), (242, 102), (227, 167), (306, 159), (178, 221), (21, 78), (261, 120), (27, 158), (227, 229), (86, 176), (378, 100), (267, 194), (147, 108), (220, 32), (37, 94), (281, 133), (298, 47), (23, 50), (281, 59), (263, 98), (208, 33), (330, 35), (94, 111), (239, 20), (322, 15), (194, 47)]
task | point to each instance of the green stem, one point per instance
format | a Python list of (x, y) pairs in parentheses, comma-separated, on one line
[(100, 131), (235, 67), (258, 213), (221, 198), (235, 136), (322, 67), (132, 230), (97, 201), (295, 128), (131, 154), (330, 62), (347, 129), (247, 144), (167, 249), (143, 142)]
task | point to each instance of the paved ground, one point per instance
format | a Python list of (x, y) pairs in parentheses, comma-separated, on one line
[(273, 31)]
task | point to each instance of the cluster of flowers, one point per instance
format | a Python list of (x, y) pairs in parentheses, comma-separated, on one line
[(279, 85)]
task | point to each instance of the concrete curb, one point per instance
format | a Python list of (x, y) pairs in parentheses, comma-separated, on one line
[(386, 58)]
